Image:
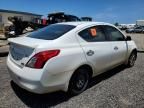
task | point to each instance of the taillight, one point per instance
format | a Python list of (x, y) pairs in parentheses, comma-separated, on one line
[(39, 59)]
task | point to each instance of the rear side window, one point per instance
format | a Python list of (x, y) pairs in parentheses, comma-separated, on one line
[(51, 32), (114, 34), (93, 34)]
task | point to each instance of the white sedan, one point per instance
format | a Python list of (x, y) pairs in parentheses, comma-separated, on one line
[(65, 56)]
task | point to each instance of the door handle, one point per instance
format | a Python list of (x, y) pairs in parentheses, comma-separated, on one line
[(115, 48), (90, 52)]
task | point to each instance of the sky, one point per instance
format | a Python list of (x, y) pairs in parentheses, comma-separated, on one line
[(121, 11)]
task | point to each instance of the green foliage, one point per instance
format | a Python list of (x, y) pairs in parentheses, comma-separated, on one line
[(116, 24)]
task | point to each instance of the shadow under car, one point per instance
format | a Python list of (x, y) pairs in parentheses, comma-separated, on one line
[(51, 99)]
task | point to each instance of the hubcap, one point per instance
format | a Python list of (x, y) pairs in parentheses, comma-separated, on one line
[(80, 83)]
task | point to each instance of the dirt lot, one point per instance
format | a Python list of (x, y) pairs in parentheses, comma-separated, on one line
[(118, 88)]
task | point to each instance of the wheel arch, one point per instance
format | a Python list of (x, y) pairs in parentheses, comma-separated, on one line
[(84, 66), (134, 51), (87, 67)]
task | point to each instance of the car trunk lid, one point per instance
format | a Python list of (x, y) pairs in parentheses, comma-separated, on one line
[(23, 48)]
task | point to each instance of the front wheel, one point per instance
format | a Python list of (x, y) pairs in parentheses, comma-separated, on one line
[(132, 59), (79, 82)]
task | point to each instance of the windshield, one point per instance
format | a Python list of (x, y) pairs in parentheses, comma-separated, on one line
[(51, 32)]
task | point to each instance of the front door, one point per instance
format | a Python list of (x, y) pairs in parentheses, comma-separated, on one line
[(117, 44)]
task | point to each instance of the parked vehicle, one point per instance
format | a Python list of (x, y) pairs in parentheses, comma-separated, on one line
[(126, 26), (20, 26), (122, 27), (139, 29), (61, 17), (130, 30), (86, 18), (65, 56)]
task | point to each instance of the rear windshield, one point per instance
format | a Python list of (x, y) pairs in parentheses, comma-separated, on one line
[(51, 32)]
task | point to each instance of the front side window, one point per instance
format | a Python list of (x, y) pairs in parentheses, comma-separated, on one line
[(93, 34), (114, 34), (51, 32)]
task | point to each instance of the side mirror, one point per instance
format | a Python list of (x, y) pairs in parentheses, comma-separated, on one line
[(128, 38)]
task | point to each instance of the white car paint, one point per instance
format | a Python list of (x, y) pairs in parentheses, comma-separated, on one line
[(56, 73)]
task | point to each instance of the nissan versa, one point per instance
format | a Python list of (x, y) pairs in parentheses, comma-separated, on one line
[(65, 56)]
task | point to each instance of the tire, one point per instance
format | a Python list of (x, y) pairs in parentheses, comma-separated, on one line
[(132, 59), (79, 82)]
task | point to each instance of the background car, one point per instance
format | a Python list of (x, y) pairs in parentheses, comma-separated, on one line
[(139, 29), (65, 56), (130, 30)]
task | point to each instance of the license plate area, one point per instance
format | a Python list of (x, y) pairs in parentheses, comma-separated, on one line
[(17, 52)]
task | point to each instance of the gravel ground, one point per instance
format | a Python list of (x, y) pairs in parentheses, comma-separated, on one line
[(119, 88), (139, 39)]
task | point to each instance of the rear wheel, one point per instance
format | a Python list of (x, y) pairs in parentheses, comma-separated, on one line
[(79, 82), (132, 59)]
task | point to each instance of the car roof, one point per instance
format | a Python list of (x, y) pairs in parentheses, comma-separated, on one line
[(85, 23)]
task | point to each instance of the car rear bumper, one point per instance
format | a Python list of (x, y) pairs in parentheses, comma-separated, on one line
[(37, 83), (32, 86)]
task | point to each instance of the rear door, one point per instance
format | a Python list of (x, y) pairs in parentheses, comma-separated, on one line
[(117, 44), (96, 47)]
